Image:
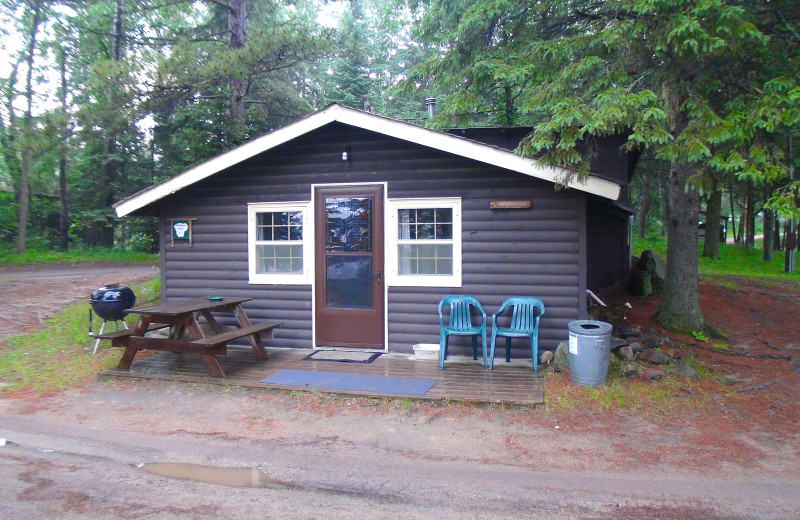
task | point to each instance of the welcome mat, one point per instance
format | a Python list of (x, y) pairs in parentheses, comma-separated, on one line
[(343, 356), (351, 382)]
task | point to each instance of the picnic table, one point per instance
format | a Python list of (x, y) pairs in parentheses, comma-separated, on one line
[(185, 334)]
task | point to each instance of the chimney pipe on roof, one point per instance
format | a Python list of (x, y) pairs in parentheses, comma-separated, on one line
[(430, 102)]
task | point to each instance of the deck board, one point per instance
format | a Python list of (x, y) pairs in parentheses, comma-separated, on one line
[(464, 381)]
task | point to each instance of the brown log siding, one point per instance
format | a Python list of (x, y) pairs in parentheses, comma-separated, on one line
[(532, 252)]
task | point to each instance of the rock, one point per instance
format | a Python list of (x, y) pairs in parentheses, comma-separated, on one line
[(561, 358), (636, 347), (616, 343), (734, 379), (639, 284), (686, 371), (793, 346), (656, 357), (630, 334), (652, 341), (670, 352), (653, 374), (630, 370), (626, 353), (547, 356), (649, 262)]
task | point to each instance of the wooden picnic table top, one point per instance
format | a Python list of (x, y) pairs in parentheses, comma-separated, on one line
[(186, 306)]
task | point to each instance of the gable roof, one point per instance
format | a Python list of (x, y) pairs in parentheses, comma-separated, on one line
[(367, 121)]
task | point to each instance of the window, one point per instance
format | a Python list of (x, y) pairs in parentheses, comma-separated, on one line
[(425, 238), (278, 235)]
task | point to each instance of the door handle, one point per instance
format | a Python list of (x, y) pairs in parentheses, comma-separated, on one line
[(378, 277)]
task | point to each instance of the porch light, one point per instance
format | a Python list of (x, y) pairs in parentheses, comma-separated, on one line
[(346, 153)]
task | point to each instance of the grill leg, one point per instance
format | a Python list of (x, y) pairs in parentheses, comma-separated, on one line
[(97, 342)]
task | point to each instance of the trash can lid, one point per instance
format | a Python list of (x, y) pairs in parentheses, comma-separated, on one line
[(589, 327)]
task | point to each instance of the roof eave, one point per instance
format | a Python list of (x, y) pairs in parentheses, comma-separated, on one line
[(372, 122)]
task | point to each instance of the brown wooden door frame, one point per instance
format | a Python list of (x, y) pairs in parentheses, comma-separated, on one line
[(342, 325)]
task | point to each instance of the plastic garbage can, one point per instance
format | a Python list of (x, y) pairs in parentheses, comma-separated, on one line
[(589, 349)]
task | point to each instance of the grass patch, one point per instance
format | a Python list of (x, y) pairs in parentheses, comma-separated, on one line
[(665, 396), (656, 242), (9, 256), (733, 260), (59, 355)]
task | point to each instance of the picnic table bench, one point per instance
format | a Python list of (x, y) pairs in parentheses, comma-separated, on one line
[(186, 335)]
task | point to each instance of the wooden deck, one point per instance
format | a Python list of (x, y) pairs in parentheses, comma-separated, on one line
[(462, 380)]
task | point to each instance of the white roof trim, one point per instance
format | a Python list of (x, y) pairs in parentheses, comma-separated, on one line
[(367, 121)]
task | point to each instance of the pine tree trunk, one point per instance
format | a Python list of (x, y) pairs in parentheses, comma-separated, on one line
[(63, 214), (25, 165), (680, 303), (237, 86), (713, 213), (111, 161), (509, 105), (740, 233), (750, 223), (776, 233), (645, 203), (663, 190), (768, 232), (733, 213)]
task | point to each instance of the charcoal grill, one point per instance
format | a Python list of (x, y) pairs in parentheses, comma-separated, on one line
[(110, 303)]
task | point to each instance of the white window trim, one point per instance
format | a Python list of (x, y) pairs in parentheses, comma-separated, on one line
[(303, 278), (396, 280)]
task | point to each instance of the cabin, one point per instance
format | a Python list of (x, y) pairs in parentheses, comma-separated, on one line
[(349, 227)]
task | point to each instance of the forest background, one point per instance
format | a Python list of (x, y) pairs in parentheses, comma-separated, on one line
[(102, 98)]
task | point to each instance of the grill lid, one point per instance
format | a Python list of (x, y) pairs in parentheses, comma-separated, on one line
[(111, 301)]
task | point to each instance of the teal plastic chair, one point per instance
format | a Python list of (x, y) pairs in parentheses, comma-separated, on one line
[(460, 324), (524, 324)]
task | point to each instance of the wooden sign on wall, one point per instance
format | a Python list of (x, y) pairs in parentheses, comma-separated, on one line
[(510, 204), (181, 229)]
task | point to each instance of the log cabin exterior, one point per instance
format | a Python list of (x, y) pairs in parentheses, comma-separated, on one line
[(349, 228)]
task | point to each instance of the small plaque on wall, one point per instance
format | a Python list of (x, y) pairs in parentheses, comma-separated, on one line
[(181, 229), (510, 204)]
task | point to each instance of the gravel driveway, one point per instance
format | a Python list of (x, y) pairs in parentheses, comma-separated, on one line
[(76, 455), (29, 295)]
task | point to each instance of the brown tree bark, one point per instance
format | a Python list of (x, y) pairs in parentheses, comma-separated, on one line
[(768, 234), (733, 213), (776, 233), (63, 214), (680, 302), (25, 163), (237, 86), (740, 233), (663, 190), (713, 214), (111, 163), (750, 223), (645, 203)]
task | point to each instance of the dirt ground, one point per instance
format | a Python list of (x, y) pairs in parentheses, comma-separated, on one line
[(761, 361), (29, 295), (75, 455)]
